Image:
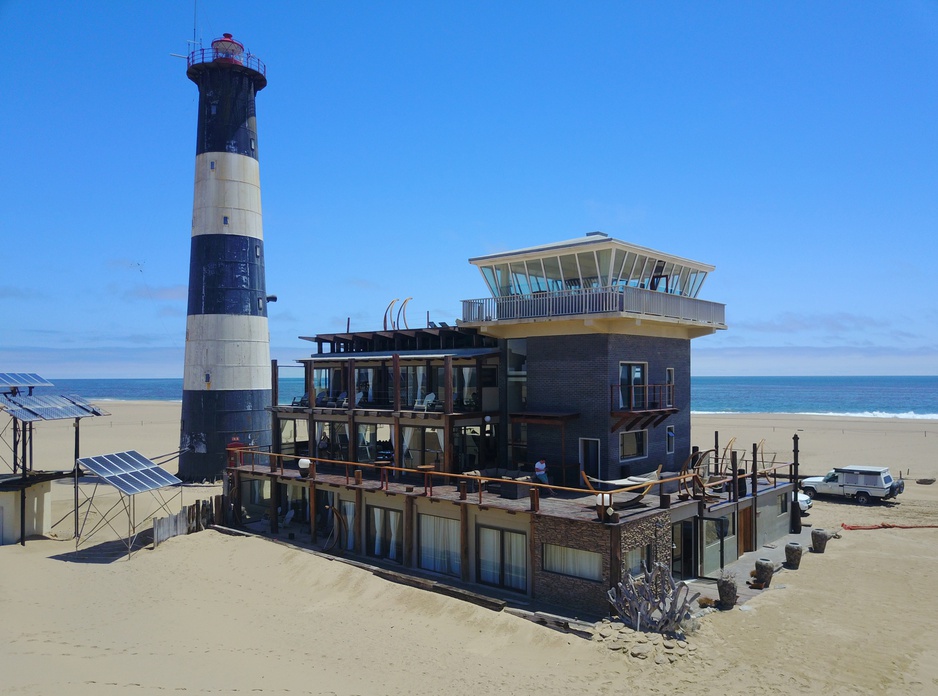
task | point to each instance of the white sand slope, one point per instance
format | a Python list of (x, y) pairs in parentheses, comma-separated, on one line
[(213, 614)]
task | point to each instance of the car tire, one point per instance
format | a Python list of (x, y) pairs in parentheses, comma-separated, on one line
[(810, 492), (862, 498)]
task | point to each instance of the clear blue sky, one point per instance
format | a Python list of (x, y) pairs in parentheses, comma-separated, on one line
[(792, 145)]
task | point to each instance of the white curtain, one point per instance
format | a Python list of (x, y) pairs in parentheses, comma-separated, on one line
[(490, 555), (348, 512), (439, 544), (516, 561), (575, 562), (633, 560), (394, 523), (378, 514)]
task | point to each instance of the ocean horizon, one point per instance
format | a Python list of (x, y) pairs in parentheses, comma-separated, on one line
[(865, 397)]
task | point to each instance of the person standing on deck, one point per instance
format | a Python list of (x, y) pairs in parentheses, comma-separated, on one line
[(540, 473)]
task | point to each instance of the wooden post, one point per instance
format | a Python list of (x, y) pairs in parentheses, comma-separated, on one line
[(273, 504), (755, 509), (734, 495), (409, 532), (464, 543), (359, 516), (795, 508), (396, 380), (313, 530), (534, 494), (447, 383), (615, 555)]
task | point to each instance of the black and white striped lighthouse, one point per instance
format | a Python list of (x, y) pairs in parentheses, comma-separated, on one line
[(226, 383)]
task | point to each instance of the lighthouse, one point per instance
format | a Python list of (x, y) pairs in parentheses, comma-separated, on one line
[(226, 383)]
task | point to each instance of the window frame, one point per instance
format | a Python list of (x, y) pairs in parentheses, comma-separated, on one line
[(644, 445)]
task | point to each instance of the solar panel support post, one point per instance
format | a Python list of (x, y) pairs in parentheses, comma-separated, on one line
[(77, 420)]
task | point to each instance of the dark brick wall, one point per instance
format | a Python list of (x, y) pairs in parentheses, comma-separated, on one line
[(578, 595), (586, 596), (576, 373)]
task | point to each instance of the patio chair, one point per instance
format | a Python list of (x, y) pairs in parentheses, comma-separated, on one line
[(636, 494)]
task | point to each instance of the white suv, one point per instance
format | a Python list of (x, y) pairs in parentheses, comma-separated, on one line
[(862, 483)]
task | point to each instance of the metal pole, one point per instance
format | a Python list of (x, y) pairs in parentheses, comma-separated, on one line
[(76, 478)]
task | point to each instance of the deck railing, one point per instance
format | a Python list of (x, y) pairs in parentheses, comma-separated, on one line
[(594, 301)]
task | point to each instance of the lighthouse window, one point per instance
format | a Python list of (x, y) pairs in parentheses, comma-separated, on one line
[(225, 219), (257, 250), (214, 109), (260, 303), (212, 166), (252, 143)]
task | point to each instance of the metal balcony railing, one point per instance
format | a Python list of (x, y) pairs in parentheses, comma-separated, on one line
[(636, 301), (640, 397), (209, 55)]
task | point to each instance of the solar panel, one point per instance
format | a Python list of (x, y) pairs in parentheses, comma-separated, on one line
[(129, 472), (40, 408), (22, 380)]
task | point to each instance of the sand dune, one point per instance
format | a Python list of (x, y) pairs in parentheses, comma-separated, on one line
[(210, 613)]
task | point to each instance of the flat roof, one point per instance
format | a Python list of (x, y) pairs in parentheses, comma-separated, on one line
[(591, 240)]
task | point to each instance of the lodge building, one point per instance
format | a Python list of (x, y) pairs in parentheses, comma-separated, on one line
[(415, 448)]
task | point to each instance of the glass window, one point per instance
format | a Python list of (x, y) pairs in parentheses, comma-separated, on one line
[(536, 275), (633, 444), (589, 271), (422, 446), (576, 562), (466, 395), (466, 443), (438, 544), (571, 273), (632, 386), (604, 259), (502, 558), (488, 273), (634, 558), (502, 280), (552, 274), (670, 438), (714, 530), (347, 531), (385, 533), (782, 503), (519, 279)]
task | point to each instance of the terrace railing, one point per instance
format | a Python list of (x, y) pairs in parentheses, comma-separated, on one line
[(637, 301)]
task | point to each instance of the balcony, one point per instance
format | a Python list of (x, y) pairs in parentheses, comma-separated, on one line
[(622, 301), (641, 405)]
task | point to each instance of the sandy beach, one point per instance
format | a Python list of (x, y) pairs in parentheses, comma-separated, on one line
[(210, 613)]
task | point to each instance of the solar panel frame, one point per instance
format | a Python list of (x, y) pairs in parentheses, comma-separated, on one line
[(48, 407), (23, 380), (129, 472)]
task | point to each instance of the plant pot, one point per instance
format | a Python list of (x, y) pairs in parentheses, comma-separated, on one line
[(793, 551), (819, 539), (728, 592), (764, 571)]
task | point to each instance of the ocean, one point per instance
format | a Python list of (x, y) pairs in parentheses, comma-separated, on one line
[(872, 397)]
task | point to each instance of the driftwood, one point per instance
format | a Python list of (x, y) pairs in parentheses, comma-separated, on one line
[(653, 602)]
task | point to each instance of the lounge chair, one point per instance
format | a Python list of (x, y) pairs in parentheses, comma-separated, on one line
[(301, 401), (636, 490), (426, 403)]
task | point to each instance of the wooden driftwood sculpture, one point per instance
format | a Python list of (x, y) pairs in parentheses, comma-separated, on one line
[(653, 602)]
